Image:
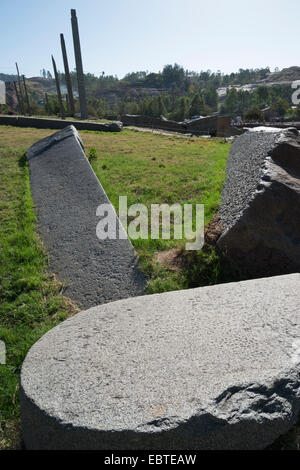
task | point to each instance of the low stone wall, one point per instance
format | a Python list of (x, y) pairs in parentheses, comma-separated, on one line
[(209, 368), (147, 121), (44, 123), (219, 126), (66, 193)]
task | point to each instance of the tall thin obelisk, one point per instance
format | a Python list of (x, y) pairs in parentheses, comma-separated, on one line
[(67, 75), (27, 97), (20, 92), (61, 106), (18, 97), (79, 67)]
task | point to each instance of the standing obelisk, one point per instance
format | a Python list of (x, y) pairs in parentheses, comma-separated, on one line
[(18, 97), (20, 92), (79, 68), (27, 97), (61, 106), (67, 75)]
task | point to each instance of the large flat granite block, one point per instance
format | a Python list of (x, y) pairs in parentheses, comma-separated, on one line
[(208, 368)]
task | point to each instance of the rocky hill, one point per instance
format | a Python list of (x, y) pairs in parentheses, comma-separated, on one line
[(289, 75)]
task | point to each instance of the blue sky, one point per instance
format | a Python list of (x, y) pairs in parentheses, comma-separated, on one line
[(122, 36)]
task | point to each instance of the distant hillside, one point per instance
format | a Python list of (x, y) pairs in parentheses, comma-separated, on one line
[(174, 92), (7, 78), (38, 86), (289, 74)]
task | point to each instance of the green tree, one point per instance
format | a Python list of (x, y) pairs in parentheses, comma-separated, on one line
[(197, 105), (296, 113), (261, 96), (182, 111), (211, 97), (254, 114), (231, 101), (161, 107), (173, 74), (280, 107)]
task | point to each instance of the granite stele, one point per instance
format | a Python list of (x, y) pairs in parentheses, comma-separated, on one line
[(66, 193)]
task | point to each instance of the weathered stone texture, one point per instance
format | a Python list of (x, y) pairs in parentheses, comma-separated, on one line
[(260, 209), (66, 193), (209, 368)]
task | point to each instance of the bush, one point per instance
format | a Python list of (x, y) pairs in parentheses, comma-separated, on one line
[(254, 114), (92, 156)]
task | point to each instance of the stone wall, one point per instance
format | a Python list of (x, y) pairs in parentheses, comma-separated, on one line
[(211, 125), (148, 121), (44, 123)]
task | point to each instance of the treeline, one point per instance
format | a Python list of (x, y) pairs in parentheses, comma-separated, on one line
[(175, 75), (174, 92), (193, 103), (180, 94), (172, 78), (170, 105), (239, 102), (202, 102)]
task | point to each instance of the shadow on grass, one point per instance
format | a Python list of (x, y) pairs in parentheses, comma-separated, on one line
[(22, 161), (209, 266)]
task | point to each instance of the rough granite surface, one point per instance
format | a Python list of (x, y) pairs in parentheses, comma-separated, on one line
[(66, 193), (244, 171), (260, 210), (209, 368)]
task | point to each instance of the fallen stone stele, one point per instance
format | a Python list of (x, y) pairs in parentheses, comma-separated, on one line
[(66, 193)]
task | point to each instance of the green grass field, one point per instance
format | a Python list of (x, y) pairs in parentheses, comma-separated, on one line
[(155, 169)]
